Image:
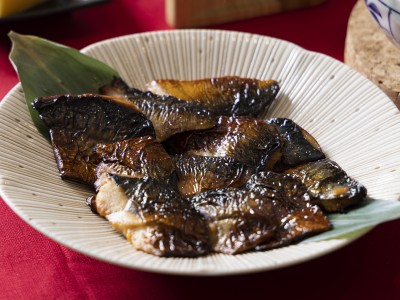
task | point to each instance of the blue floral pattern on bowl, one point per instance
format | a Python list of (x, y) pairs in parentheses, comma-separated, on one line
[(387, 17)]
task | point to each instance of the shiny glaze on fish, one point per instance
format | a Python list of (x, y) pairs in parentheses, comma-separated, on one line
[(145, 156), (248, 140), (332, 189), (78, 123), (168, 114), (297, 217), (197, 174), (299, 146), (152, 216), (238, 219), (272, 210), (222, 96)]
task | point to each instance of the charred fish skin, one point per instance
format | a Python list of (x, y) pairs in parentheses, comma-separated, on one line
[(78, 123), (168, 114), (248, 140), (223, 96), (299, 146), (135, 157), (331, 187), (144, 155), (238, 219), (197, 174), (298, 218), (155, 219)]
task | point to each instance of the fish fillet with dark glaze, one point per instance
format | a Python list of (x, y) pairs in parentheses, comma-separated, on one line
[(135, 157), (78, 123), (272, 210), (298, 218), (238, 219), (299, 146), (197, 174), (222, 96), (248, 140), (152, 216), (333, 190), (143, 155), (168, 114)]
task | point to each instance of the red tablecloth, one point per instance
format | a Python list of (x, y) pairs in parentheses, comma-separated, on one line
[(34, 267)]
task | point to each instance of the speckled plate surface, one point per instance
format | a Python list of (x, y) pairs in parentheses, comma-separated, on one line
[(350, 117)]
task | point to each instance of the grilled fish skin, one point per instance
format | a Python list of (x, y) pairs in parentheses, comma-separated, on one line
[(238, 219), (153, 217), (197, 174), (248, 140), (78, 123), (299, 146), (332, 189), (168, 114), (272, 210), (144, 155), (297, 217), (135, 157), (186, 177), (222, 96)]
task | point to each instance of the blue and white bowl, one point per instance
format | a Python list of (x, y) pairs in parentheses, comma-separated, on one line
[(387, 14)]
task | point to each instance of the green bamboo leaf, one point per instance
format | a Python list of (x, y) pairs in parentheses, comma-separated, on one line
[(46, 68), (372, 213)]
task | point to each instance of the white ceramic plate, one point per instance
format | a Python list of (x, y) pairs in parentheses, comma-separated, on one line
[(355, 123)]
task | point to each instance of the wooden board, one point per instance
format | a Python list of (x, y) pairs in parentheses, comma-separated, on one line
[(195, 13), (369, 51)]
